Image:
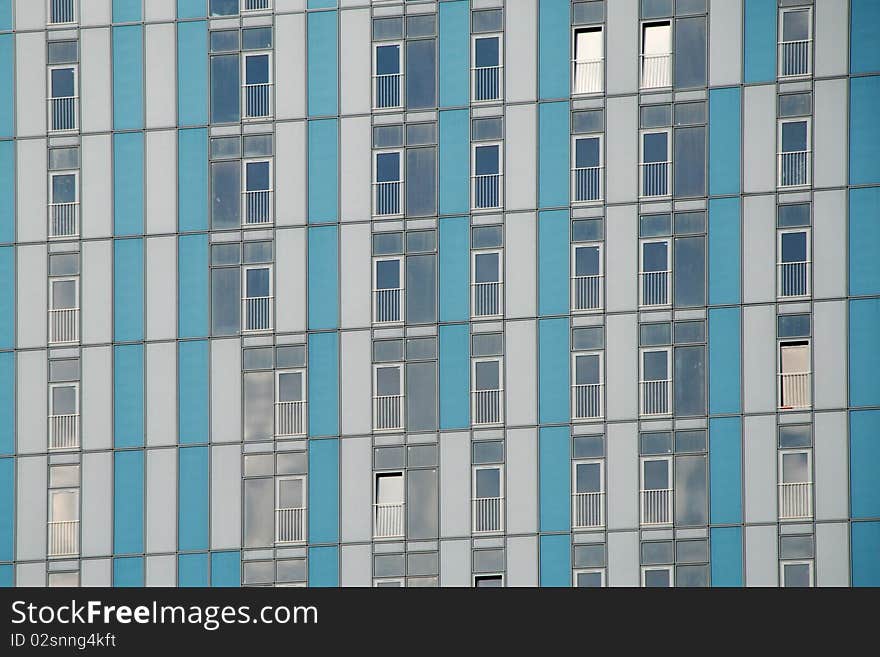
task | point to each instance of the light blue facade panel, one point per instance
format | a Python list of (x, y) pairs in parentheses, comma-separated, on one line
[(323, 277), (128, 395), (553, 380), (7, 508), (7, 191), (324, 566), (128, 572), (193, 372), (7, 403), (864, 54), (192, 570), (554, 60), (759, 44), (454, 162), (7, 86), (128, 77), (864, 454), (725, 470), (555, 480), (323, 171), (128, 290), (7, 297), (553, 266), (192, 284), (454, 269), (553, 154), (192, 73), (864, 352), (725, 141), (864, 241), (126, 11), (128, 183), (323, 65), (226, 569), (727, 556), (192, 179), (864, 130), (455, 50), (724, 242), (323, 404), (724, 360), (454, 376), (324, 491), (193, 499), (128, 502)]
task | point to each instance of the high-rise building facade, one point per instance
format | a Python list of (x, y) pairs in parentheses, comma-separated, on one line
[(457, 292)]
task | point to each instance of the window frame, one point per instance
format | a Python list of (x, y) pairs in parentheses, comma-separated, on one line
[(668, 349), (600, 167), (50, 97), (499, 390), (587, 28), (271, 298), (781, 42), (244, 190), (244, 55), (808, 263), (50, 24), (500, 282), (643, 32), (668, 162), (401, 272), (669, 271), (781, 343), (582, 353), (578, 571), (401, 65), (305, 506), (62, 279), (474, 147), (574, 249), (796, 562), (808, 120), (401, 378), (64, 384), (670, 568), (401, 182), (481, 36)]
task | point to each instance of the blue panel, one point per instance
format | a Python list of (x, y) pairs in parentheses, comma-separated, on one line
[(555, 479), (7, 191), (323, 566), (192, 179), (192, 286), (7, 297), (192, 499), (455, 161), (554, 64), (128, 572), (324, 491), (5, 14), (7, 509), (864, 55), (554, 161), (727, 559), (864, 352), (455, 407), (455, 269), (7, 85), (865, 546), (128, 183), (864, 454), (126, 11), (553, 267), (725, 470), (321, 4), (192, 570), (864, 241), (191, 8), (759, 43), (725, 141), (226, 569), (193, 369), (323, 277), (128, 502), (128, 77), (553, 379), (864, 130), (454, 53), (7, 403), (7, 576), (323, 69), (724, 360), (724, 249), (128, 395), (323, 171), (323, 384), (556, 560), (128, 290), (192, 73)]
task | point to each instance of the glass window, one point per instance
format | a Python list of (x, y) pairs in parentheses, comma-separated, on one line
[(793, 215), (421, 26), (795, 104), (259, 517), (388, 565), (694, 331), (64, 370), (689, 274), (291, 570), (256, 38), (421, 66), (257, 145), (387, 136), (487, 21), (422, 563), (225, 147), (387, 28), (655, 443), (64, 158), (389, 458), (422, 503), (589, 556), (420, 456), (224, 41), (292, 463), (489, 581), (587, 121), (225, 89), (692, 576), (259, 394), (690, 7), (224, 7), (256, 465), (796, 575), (655, 552), (387, 243), (690, 113), (290, 356), (654, 334), (421, 287), (488, 452), (488, 344), (486, 237), (64, 264), (420, 133), (690, 52), (225, 254), (421, 181), (588, 447), (421, 348), (225, 301), (487, 561), (655, 116), (656, 8), (421, 396), (387, 351), (258, 359), (654, 225), (797, 435), (587, 230), (796, 547), (691, 490), (587, 338), (692, 440), (692, 551), (63, 52), (690, 223), (257, 252), (588, 12), (690, 380), (689, 162), (492, 128), (791, 326)]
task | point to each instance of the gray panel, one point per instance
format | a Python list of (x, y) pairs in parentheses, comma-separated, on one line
[(96, 398), (96, 291), (161, 571), (160, 10), (759, 469), (356, 569), (521, 56), (520, 147), (622, 367), (455, 563), (831, 464), (96, 186), (97, 504), (31, 192), (97, 12), (161, 500), (226, 391), (759, 359), (623, 559), (31, 395), (95, 85), (30, 15), (30, 295), (759, 249), (355, 63), (832, 554), (759, 138), (520, 277), (290, 167), (161, 181), (356, 382), (291, 279), (30, 494), (290, 58), (355, 163), (829, 354), (355, 284), (725, 42), (521, 487), (225, 497), (30, 73), (622, 477), (521, 373), (455, 485), (830, 133), (30, 574), (622, 160), (829, 244), (522, 561), (622, 68), (832, 34), (161, 287), (161, 393), (356, 489), (761, 561), (622, 258), (160, 88), (96, 572)]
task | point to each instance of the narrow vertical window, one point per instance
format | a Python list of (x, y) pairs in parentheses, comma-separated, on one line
[(795, 484), (794, 375), (588, 508), (488, 503), (797, 574), (487, 68), (588, 63), (388, 505), (487, 283), (64, 310), (586, 290), (388, 78), (62, 98), (388, 186), (587, 169), (794, 153), (795, 52), (290, 510), (656, 55), (388, 397), (256, 90), (63, 204), (62, 12), (655, 382), (257, 299), (63, 416), (487, 394), (388, 290), (654, 273), (794, 263), (656, 493), (257, 192), (290, 403), (63, 523), (486, 176), (654, 163), (587, 389)]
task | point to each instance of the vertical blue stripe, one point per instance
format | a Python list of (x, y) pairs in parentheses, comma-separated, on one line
[(553, 266), (191, 8), (455, 162), (128, 502), (323, 384), (7, 576), (455, 405), (553, 378), (192, 179), (7, 297), (7, 403), (323, 566), (324, 491), (554, 176), (556, 560), (193, 369), (192, 286), (864, 55), (555, 479), (864, 130), (7, 509), (128, 395), (128, 183), (864, 241), (864, 352), (725, 469), (192, 499), (7, 191), (759, 42), (864, 454), (725, 141), (5, 14), (724, 360), (455, 269), (226, 569), (126, 11), (323, 65), (128, 77), (865, 545), (323, 277), (554, 62), (455, 50), (128, 290), (727, 561), (128, 572), (192, 73), (7, 85), (192, 570), (323, 171), (724, 240)]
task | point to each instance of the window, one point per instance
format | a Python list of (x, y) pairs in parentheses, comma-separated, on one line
[(589, 53), (487, 285), (588, 483), (794, 263), (388, 174), (794, 152), (257, 84), (63, 85), (290, 510), (655, 381), (795, 484), (487, 77), (388, 290), (257, 299), (796, 28), (388, 397), (588, 386), (657, 577), (488, 581), (290, 404), (691, 53), (654, 163), (655, 271), (591, 578), (588, 561), (388, 79), (656, 494), (586, 284), (797, 574), (63, 203), (587, 167), (388, 505), (257, 193), (64, 309), (61, 12), (256, 5), (656, 55), (487, 176), (63, 517), (794, 374), (487, 395), (488, 502), (64, 415)]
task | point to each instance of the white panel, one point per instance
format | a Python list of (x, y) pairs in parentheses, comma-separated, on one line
[(161, 287), (161, 500), (96, 186), (355, 64), (96, 12), (226, 391), (521, 373), (96, 291), (520, 161), (32, 190), (356, 382), (95, 80), (290, 58), (356, 568), (31, 394), (160, 82), (355, 174), (225, 497), (160, 10), (161, 181), (97, 504), (30, 490), (31, 296), (356, 279), (97, 398), (31, 14), (290, 167), (520, 256), (522, 561), (455, 563), (161, 393), (291, 278), (30, 79)]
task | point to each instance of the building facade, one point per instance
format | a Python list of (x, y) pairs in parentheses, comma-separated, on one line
[(456, 293)]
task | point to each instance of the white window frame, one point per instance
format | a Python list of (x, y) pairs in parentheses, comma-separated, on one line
[(304, 407), (51, 520), (670, 488), (244, 84), (401, 263), (400, 182), (244, 270), (377, 581), (794, 342), (600, 166), (53, 202), (587, 571), (64, 384), (270, 190), (642, 272), (808, 484), (483, 144), (643, 30), (670, 568), (808, 153), (401, 377), (780, 264), (50, 97), (499, 282), (601, 383), (61, 279), (667, 162), (502, 497), (587, 245), (797, 562), (477, 576), (642, 380), (500, 389), (474, 68), (377, 475), (601, 493), (305, 505), (779, 50), (401, 93), (51, 24), (600, 29)]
